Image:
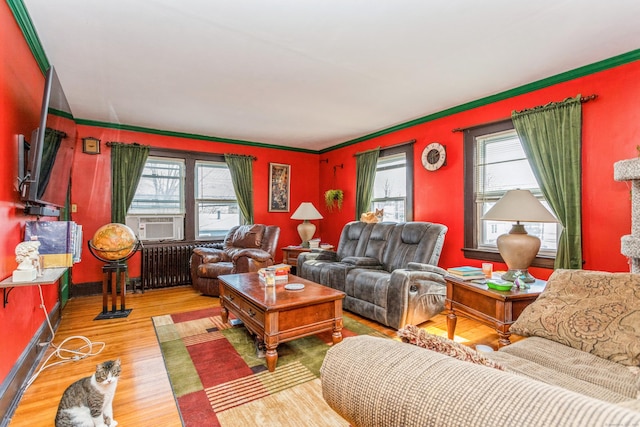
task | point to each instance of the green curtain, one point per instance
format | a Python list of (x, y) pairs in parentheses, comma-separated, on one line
[(127, 164), (52, 141), (551, 138), (241, 168), (366, 163)]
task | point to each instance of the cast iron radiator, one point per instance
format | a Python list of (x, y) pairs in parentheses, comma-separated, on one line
[(165, 265)]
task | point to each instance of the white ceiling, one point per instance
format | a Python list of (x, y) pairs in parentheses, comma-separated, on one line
[(312, 73)]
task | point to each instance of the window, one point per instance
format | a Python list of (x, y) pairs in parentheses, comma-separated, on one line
[(161, 188), (494, 163), (216, 205), (393, 185), (184, 195)]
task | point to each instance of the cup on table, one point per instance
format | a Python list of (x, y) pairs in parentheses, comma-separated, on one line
[(487, 269), (270, 277)]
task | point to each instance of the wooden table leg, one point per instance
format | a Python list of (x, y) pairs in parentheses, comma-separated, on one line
[(336, 337), (503, 339), (452, 319), (272, 358), (224, 313)]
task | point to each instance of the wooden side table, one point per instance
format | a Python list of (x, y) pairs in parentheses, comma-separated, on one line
[(290, 254), (498, 309)]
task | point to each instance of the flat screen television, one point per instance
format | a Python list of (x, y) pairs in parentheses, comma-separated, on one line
[(50, 153)]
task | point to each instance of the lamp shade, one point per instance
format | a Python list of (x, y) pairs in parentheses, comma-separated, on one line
[(517, 248), (521, 206), (306, 210)]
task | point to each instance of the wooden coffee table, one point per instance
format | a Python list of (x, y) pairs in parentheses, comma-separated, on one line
[(494, 308), (275, 315)]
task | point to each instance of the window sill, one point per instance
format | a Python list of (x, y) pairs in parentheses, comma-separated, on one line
[(487, 255)]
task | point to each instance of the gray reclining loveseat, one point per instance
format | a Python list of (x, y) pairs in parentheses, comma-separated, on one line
[(388, 270)]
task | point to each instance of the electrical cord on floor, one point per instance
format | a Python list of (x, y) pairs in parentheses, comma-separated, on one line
[(64, 354)]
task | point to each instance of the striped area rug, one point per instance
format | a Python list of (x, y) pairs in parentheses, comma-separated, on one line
[(218, 380)]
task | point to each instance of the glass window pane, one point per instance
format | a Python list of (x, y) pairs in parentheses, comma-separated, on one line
[(394, 210), (161, 188), (216, 206), (390, 187), (215, 219), (391, 177), (213, 181), (508, 175), (502, 165)]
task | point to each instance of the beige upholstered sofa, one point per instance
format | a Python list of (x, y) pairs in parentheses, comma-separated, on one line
[(578, 367)]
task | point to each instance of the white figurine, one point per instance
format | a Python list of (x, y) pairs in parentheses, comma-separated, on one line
[(28, 259)]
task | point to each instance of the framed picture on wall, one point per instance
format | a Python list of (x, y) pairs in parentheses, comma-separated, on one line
[(279, 184)]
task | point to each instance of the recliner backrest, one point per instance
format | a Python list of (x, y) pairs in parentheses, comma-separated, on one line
[(414, 242), (379, 237), (270, 239), (259, 236), (353, 239), (244, 236)]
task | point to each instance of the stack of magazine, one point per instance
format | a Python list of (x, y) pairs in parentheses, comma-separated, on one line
[(282, 273), (466, 272)]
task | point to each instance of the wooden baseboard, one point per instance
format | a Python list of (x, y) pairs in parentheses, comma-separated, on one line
[(85, 289), (12, 387)]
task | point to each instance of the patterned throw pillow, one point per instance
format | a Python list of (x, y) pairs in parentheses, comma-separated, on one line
[(413, 335), (592, 311)]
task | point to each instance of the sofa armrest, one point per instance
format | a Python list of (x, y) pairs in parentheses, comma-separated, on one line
[(415, 294), (210, 255), (255, 254), (251, 260), (317, 255), (426, 267), (374, 381), (362, 262)]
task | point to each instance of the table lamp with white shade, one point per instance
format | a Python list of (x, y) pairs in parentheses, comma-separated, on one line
[(306, 211), (518, 248)]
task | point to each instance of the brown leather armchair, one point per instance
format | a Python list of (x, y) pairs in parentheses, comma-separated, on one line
[(246, 248)]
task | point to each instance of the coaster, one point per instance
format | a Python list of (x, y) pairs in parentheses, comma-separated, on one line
[(484, 348), (294, 286)]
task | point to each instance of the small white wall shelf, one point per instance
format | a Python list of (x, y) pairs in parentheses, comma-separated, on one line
[(49, 276)]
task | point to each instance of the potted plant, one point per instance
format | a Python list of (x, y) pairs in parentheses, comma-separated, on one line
[(333, 199)]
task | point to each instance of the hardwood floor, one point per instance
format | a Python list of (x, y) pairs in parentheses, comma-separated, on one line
[(144, 395)]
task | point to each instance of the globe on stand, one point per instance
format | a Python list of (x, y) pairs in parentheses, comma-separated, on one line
[(114, 244)]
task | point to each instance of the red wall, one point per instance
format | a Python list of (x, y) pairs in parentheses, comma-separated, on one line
[(611, 131), (21, 86), (91, 186)]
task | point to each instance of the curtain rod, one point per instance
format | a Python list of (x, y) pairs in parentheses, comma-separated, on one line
[(110, 143), (582, 100), (413, 141), (254, 158)]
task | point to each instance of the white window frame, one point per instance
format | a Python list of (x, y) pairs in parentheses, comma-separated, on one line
[(486, 198), (189, 211), (179, 163), (199, 201), (385, 163), (474, 203)]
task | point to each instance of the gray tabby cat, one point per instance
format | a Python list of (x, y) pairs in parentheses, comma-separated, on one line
[(88, 401)]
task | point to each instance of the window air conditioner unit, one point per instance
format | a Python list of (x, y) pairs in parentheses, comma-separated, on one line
[(153, 228)]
